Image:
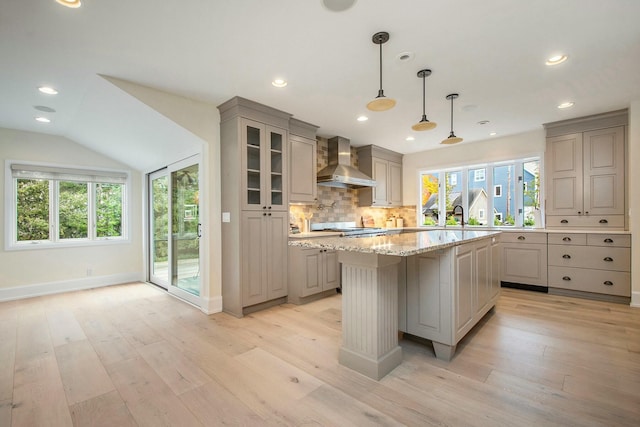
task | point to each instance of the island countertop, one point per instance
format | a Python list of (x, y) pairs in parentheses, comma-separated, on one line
[(404, 244)]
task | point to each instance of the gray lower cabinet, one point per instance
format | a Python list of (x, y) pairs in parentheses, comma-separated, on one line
[(524, 257), (264, 250), (593, 264), (449, 291), (313, 274)]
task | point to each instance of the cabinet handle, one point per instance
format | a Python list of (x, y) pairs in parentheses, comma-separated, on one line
[(564, 221), (608, 240), (269, 214), (608, 283), (264, 214), (264, 207), (579, 212), (521, 238), (566, 278), (566, 239), (603, 221), (566, 256), (269, 207), (586, 213), (608, 259)]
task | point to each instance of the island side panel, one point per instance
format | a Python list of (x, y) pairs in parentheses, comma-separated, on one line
[(370, 313)]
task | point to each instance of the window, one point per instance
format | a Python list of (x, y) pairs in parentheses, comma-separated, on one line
[(63, 206), (504, 194)]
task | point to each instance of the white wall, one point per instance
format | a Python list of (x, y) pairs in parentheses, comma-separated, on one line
[(29, 272), (497, 149), (634, 199)]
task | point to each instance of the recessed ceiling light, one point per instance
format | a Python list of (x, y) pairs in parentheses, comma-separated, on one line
[(338, 5), (405, 56), (70, 3), (410, 138), (279, 83), (483, 122), (43, 120), (493, 133), (48, 90), (556, 59), (44, 108), (567, 104), (362, 118)]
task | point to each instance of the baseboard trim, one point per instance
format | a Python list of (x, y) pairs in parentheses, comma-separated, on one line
[(50, 288), (635, 299)]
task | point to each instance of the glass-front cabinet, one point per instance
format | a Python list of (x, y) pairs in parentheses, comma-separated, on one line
[(264, 159)]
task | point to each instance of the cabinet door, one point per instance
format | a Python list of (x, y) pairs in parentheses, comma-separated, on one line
[(302, 169), (331, 278), (604, 171), (464, 289), (312, 268), (564, 175), (252, 175), (275, 248), (276, 185), (381, 175), (524, 263), (483, 274), (394, 185), (254, 262)]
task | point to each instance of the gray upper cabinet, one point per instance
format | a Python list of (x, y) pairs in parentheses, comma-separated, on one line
[(585, 172), (385, 166), (302, 162)]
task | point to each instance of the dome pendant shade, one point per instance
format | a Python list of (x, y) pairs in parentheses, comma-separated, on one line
[(381, 102), (424, 123), (452, 138)]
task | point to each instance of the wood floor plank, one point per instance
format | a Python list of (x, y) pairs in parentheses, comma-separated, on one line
[(64, 328), (5, 412), (7, 356), (107, 410), (83, 375)]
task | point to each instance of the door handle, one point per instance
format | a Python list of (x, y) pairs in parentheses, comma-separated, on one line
[(199, 232), (608, 240), (608, 259), (566, 278), (566, 239), (564, 221), (608, 283), (604, 221), (566, 256)]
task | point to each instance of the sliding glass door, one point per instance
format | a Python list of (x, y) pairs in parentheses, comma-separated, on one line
[(174, 219)]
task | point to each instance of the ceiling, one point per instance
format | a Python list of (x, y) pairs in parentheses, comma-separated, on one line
[(491, 52)]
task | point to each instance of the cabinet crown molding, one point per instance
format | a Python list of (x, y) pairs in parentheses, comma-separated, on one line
[(587, 123)]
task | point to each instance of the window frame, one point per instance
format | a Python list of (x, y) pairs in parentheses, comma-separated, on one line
[(475, 174), (489, 168), (497, 190), (94, 177)]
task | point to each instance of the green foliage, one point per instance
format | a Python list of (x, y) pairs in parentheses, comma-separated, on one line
[(108, 210), (473, 221), (451, 220), (529, 221), (73, 210), (429, 221), (32, 209), (496, 221), (509, 220)]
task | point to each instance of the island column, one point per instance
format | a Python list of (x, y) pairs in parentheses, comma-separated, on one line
[(370, 313)]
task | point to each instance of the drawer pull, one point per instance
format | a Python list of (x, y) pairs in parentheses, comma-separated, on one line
[(567, 256), (603, 221), (566, 278), (608, 283), (521, 238), (608, 259), (564, 221), (608, 240), (566, 239)]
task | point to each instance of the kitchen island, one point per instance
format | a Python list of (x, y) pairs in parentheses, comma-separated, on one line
[(444, 277)]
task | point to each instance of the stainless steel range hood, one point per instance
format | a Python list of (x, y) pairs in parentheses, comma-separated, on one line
[(340, 173)]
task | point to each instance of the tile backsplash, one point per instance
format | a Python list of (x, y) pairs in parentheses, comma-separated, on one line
[(341, 204)]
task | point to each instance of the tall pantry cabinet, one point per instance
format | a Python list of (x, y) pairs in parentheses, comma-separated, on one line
[(254, 173)]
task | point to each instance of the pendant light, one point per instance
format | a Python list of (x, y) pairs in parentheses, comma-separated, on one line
[(424, 123), (452, 139), (381, 102)]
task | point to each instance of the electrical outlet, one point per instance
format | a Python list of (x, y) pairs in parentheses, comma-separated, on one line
[(89, 272)]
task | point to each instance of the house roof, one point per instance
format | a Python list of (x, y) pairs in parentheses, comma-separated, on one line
[(492, 53)]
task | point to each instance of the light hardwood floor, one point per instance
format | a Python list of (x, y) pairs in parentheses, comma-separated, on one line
[(132, 355)]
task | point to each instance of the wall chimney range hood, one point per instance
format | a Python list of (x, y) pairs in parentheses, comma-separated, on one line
[(340, 173)]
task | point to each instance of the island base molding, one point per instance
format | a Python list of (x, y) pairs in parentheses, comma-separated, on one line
[(370, 313)]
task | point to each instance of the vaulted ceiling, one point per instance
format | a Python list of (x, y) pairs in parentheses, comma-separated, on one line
[(491, 52)]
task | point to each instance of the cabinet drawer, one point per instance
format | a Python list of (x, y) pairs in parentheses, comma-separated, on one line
[(524, 237), (587, 280), (600, 258), (585, 221), (567, 239), (619, 240)]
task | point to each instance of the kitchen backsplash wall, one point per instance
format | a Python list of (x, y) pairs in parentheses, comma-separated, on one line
[(341, 204)]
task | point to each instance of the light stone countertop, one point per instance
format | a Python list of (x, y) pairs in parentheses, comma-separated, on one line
[(405, 244)]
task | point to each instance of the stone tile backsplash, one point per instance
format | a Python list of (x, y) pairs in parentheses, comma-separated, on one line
[(341, 205)]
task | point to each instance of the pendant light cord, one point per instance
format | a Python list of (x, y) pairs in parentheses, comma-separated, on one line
[(380, 67), (423, 95), (452, 115)]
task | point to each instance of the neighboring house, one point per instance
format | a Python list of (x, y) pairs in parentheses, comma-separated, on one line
[(477, 205)]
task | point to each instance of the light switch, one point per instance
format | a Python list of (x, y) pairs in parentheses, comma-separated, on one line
[(226, 216)]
